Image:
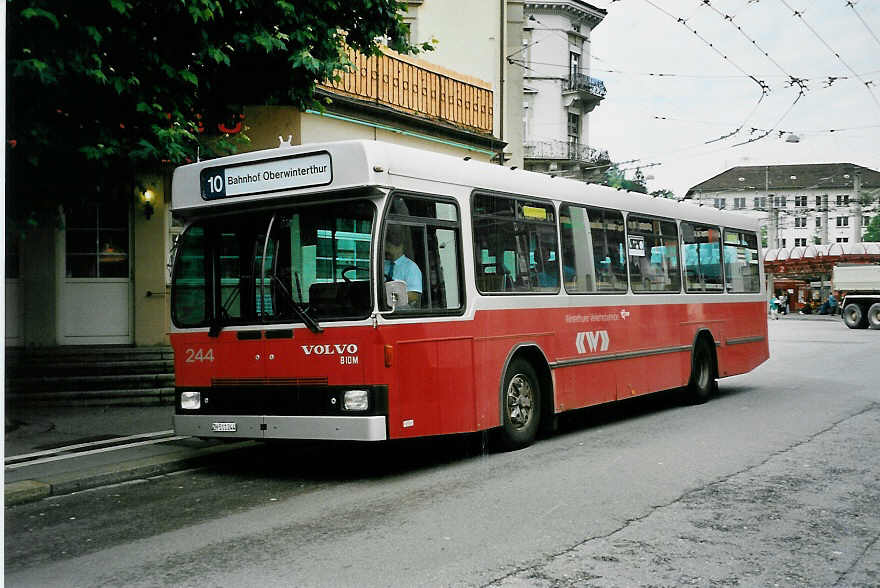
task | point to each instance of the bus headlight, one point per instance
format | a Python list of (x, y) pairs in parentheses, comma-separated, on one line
[(355, 400), (190, 400)]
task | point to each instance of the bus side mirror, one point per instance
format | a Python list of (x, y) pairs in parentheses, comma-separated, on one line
[(395, 294)]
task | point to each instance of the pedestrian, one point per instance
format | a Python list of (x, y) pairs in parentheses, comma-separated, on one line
[(830, 305), (783, 303), (774, 308)]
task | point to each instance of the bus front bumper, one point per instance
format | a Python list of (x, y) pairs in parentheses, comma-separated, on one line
[(333, 428)]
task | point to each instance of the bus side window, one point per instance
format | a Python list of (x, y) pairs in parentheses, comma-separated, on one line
[(515, 245), (701, 253), (653, 254), (430, 238), (741, 259)]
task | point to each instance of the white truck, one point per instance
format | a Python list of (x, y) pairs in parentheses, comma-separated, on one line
[(861, 303)]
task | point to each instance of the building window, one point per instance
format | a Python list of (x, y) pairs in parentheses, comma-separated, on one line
[(13, 270), (574, 66), (843, 221), (780, 202), (720, 203), (782, 242), (574, 127), (866, 220), (842, 199), (96, 239), (800, 222), (843, 239), (760, 202), (739, 203), (800, 201), (818, 222), (800, 242)]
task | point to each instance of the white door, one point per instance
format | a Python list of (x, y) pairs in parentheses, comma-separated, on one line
[(95, 304)]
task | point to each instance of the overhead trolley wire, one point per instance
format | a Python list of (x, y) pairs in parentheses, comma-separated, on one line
[(765, 89), (800, 15), (852, 5)]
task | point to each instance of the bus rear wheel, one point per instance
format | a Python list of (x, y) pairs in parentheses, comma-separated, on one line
[(521, 406), (703, 383), (854, 316), (874, 316)]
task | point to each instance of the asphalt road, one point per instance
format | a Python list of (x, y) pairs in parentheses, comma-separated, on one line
[(774, 482)]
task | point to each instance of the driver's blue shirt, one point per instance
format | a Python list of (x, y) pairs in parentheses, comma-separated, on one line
[(407, 270)]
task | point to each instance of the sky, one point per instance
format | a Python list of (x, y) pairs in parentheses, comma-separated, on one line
[(715, 64)]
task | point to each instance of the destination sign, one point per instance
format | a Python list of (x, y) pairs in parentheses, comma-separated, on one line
[(271, 175)]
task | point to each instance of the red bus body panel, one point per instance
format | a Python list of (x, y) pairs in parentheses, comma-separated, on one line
[(445, 376)]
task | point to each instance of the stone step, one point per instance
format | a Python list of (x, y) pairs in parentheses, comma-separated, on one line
[(110, 397), (90, 376), (58, 369), (27, 385), (86, 354)]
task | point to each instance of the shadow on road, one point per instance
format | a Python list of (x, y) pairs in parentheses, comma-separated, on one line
[(317, 462)]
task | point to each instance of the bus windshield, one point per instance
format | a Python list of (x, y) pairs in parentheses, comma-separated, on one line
[(296, 264)]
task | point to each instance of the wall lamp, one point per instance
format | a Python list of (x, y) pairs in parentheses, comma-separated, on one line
[(148, 196)]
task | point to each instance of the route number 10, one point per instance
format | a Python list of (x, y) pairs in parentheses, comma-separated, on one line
[(213, 185)]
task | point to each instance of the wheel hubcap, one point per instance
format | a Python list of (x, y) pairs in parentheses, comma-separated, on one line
[(519, 401)]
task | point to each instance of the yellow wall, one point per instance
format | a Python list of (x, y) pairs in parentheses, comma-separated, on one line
[(318, 128), (264, 124), (150, 312)]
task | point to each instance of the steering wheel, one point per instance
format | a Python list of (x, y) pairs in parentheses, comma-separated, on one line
[(347, 269), (343, 292)]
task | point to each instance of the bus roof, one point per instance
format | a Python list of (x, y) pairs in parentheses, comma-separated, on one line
[(293, 171)]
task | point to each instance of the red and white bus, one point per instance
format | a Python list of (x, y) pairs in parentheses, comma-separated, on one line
[(367, 291)]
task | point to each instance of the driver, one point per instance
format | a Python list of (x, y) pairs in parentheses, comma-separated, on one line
[(399, 267)]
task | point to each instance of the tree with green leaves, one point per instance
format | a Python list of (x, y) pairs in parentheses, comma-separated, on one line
[(616, 178), (873, 232), (97, 90)]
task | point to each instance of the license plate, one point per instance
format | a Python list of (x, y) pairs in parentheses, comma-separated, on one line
[(223, 427)]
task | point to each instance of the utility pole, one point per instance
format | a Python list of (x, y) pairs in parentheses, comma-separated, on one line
[(772, 240), (824, 219), (857, 206)]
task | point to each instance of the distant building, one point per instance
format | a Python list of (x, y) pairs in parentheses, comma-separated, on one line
[(804, 204), (559, 92)]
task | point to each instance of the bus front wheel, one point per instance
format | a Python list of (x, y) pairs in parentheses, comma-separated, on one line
[(521, 406), (702, 383)]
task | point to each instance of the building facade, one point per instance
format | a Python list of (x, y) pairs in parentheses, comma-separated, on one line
[(805, 204), (559, 93)]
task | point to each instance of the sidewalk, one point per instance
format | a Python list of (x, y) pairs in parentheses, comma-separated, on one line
[(809, 317), (31, 430)]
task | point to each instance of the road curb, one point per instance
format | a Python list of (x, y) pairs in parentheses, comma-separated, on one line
[(25, 491)]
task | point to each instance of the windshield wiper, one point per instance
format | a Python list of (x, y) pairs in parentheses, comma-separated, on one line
[(300, 309), (222, 317)]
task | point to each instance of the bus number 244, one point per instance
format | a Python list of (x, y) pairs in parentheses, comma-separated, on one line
[(199, 355)]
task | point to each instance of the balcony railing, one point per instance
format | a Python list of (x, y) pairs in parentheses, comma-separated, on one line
[(585, 83), (563, 150), (417, 88)]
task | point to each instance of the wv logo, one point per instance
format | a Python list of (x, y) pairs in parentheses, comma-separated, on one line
[(596, 340)]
